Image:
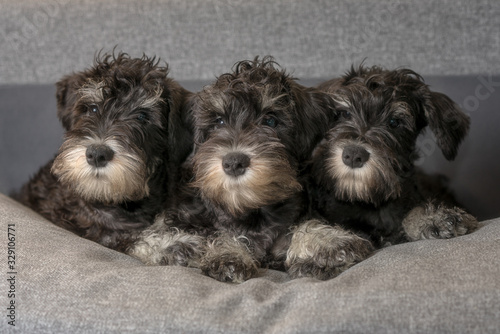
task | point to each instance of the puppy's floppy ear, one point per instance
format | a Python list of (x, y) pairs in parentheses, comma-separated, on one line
[(66, 97), (447, 121), (180, 124), (316, 113)]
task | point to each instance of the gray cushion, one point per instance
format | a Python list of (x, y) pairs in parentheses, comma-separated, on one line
[(66, 284)]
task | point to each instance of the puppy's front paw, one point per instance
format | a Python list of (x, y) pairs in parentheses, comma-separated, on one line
[(438, 222), (228, 260), (229, 268), (323, 252), (168, 248)]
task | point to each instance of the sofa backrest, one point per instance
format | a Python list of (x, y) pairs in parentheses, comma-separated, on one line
[(45, 39)]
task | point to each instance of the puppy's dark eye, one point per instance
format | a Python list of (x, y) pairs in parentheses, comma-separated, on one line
[(270, 121), (142, 117), (219, 121), (346, 114), (93, 108), (394, 123)]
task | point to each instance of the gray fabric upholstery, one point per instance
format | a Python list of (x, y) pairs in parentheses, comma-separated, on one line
[(67, 284), (42, 40)]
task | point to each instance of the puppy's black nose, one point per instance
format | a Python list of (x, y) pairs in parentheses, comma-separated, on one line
[(355, 156), (235, 164), (99, 155)]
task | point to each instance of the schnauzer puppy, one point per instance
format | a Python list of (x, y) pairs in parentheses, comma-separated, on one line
[(253, 128), (125, 131), (362, 177)]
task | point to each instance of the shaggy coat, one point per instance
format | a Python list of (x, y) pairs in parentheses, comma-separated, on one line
[(363, 181), (126, 132), (254, 128)]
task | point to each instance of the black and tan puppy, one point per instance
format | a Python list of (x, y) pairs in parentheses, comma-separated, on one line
[(254, 128), (125, 133), (363, 180)]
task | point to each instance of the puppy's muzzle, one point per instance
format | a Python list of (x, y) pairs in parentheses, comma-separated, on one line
[(355, 156), (235, 163), (99, 155)]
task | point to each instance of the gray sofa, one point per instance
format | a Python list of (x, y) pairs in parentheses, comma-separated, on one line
[(60, 283)]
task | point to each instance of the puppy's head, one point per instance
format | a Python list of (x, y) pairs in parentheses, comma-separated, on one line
[(371, 148), (117, 116), (253, 128)]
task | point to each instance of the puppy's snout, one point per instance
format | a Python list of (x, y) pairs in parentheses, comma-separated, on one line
[(99, 155), (235, 164), (355, 156)]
